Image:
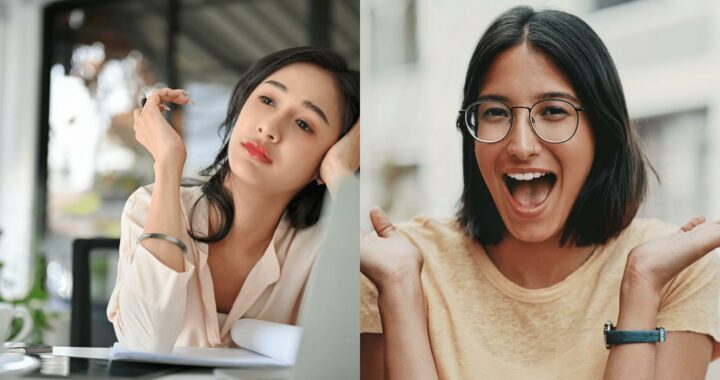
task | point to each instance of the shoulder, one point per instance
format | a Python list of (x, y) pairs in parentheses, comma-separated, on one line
[(645, 229), (641, 230), (434, 235), (429, 227)]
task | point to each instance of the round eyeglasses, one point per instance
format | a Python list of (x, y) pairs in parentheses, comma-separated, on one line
[(554, 121)]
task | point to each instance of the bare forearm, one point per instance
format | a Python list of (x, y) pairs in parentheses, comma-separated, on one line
[(638, 311), (407, 345), (164, 216)]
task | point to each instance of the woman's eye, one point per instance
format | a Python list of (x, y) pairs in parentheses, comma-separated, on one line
[(554, 111), (303, 125), (495, 112), (266, 100)]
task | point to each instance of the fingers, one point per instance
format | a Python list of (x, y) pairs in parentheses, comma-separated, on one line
[(137, 128), (382, 225), (178, 96), (692, 223)]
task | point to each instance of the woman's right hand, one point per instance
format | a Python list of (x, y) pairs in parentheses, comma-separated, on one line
[(155, 133), (387, 258)]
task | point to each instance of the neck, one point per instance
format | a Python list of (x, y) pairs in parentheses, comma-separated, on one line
[(257, 215), (536, 265)]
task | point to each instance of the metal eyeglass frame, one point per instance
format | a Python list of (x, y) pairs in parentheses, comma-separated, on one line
[(463, 115)]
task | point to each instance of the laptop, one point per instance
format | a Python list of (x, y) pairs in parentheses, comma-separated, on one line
[(330, 310)]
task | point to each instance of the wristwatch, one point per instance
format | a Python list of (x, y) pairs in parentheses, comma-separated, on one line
[(613, 336)]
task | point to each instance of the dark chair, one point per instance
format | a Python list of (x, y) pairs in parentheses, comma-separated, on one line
[(89, 326)]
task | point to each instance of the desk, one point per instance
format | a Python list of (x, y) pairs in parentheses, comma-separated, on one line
[(91, 363)]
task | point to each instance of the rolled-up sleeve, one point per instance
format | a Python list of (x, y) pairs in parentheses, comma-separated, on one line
[(147, 306)]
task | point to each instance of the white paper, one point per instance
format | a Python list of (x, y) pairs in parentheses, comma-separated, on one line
[(275, 340), (263, 344), (198, 356)]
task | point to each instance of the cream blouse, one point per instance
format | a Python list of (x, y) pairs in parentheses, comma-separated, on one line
[(154, 308)]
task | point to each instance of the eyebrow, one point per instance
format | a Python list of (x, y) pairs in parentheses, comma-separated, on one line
[(277, 84), (547, 95), (306, 103)]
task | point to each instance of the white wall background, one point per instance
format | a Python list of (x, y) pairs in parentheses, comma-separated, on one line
[(20, 55)]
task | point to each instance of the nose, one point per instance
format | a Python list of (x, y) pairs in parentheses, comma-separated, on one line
[(522, 142), (269, 129)]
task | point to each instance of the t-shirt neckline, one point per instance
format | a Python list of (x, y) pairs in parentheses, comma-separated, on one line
[(540, 295)]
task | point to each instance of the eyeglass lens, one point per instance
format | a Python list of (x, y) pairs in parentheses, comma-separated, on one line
[(552, 120)]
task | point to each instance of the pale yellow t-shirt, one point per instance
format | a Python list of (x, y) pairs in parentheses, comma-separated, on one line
[(483, 326)]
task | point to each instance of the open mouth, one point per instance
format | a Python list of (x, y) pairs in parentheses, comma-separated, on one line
[(530, 190)]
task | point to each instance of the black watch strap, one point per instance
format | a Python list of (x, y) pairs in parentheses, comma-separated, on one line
[(613, 336)]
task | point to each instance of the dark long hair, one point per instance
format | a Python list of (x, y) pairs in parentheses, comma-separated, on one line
[(617, 182), (305, 208)]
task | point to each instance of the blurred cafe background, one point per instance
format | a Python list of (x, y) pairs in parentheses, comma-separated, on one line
[(415, 56), (71, 73)]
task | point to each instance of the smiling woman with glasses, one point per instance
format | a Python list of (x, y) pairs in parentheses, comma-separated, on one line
[(545, 272)]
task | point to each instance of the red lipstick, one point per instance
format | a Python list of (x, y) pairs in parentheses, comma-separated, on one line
[(257, 151)]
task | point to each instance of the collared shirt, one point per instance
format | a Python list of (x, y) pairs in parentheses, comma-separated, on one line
[(154, 308)]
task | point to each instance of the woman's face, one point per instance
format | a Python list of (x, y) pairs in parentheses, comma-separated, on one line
[(534, 210), (288, 123)]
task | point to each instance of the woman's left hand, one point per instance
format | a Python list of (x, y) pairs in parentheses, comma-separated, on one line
[(342, 160), (654, 263)]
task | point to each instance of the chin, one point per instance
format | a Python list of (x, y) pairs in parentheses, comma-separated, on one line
[(533, 233)]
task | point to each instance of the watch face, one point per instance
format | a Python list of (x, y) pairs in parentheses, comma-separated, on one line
[(608, 328)]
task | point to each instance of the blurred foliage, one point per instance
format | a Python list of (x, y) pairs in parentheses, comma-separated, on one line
[(85, 204)]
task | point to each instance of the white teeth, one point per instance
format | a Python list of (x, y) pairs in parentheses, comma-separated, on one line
[(526, 176)]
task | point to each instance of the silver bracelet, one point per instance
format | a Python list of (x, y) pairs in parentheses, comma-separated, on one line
[(171, 239)]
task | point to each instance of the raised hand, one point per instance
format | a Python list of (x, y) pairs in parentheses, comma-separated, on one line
[(155, 133), (343, 159), (654, 263), (386, 257)]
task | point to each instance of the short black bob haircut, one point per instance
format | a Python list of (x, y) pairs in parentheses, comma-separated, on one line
[(305, 208), (617, 182)]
